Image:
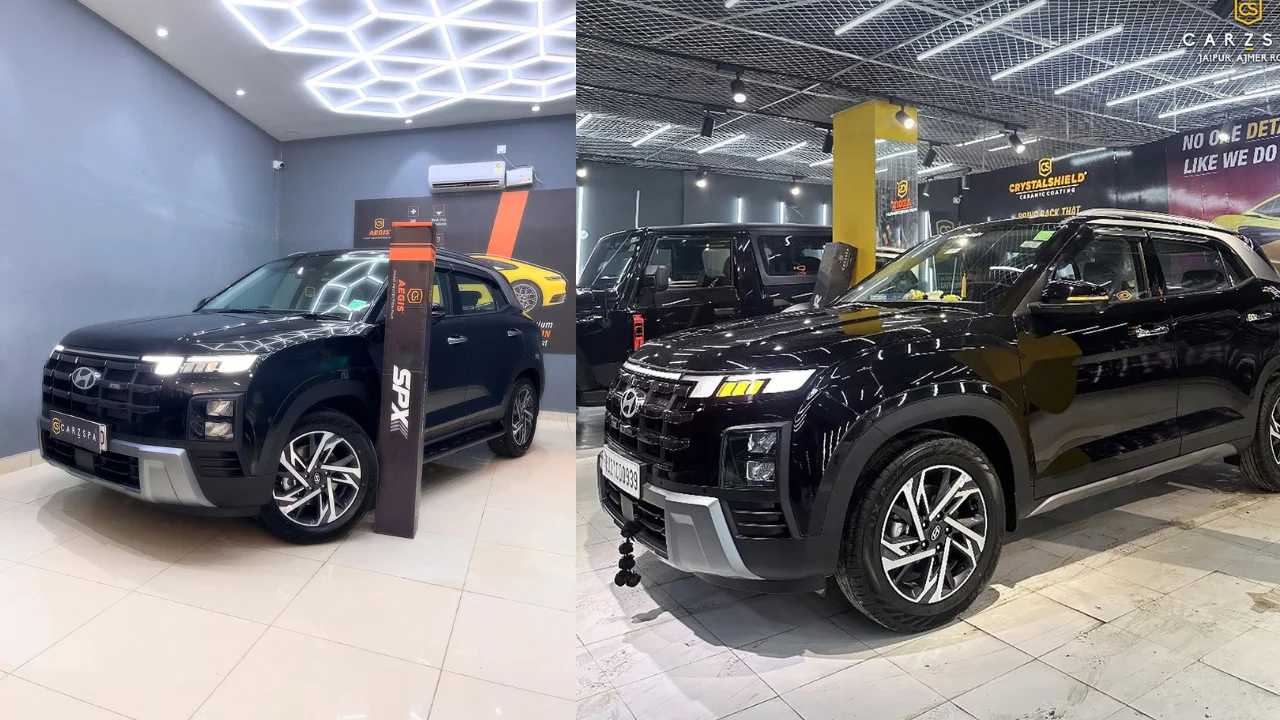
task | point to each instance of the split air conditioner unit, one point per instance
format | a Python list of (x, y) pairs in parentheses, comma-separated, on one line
[(467, 177)]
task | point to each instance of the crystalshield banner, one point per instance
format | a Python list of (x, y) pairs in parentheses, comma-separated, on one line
[(404, 377)]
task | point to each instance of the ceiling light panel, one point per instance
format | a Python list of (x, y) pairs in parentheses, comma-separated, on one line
[(1059, 50), (403, 58), (1170, 86)]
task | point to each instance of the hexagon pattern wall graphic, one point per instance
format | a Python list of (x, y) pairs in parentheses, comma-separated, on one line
[(402, 58)]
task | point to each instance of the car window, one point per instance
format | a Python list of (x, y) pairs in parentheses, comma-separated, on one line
[(695, 260), (1110, 260), (1192, 267), (1270, 208), (791, 255), (477, 295)]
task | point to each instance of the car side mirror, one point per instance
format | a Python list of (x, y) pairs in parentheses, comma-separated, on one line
[(1070, 296), (437, 311), (656, 277), (202, 303)]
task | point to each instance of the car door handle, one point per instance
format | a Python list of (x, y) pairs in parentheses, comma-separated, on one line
[(1257, 316), (513, 333), (457, 339), (724, 312), (1147, 331)]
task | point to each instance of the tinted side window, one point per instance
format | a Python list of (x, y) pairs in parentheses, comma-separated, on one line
[(1271, 208), (1110, 260), (695, 261), (1192, 267), (477, 295), (789, 255)]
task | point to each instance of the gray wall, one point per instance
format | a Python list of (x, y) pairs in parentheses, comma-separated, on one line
[(670, 197), (323, 178), (609, 201), (125, 190)]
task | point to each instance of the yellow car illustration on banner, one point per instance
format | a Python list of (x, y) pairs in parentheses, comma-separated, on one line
[(534, 286), (1260, 224)]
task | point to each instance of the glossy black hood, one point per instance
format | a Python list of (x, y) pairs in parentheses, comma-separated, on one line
[(805, 339), (197, 333)]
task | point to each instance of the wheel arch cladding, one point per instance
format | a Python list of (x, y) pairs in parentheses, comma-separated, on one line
[(980, 419), (318, 396)]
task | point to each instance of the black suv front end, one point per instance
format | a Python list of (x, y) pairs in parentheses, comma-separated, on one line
[(172, 438), (722, 487)]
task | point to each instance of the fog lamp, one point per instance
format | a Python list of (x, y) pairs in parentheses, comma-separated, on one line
[(218, 430), (220, 408), (762, 442), (759, 473)]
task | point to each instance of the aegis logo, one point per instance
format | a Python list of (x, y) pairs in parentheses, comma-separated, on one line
[(400, 405)]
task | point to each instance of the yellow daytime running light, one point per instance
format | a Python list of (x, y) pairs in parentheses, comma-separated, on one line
[(736, 388)]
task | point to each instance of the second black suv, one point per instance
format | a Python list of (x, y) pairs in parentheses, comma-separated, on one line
[(992, 373), (264, 400)]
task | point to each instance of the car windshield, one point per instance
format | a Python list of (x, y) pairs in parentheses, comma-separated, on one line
[(338, 286), (975, 264), (610, 260)]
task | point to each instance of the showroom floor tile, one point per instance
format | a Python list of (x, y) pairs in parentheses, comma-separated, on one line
[(1154, 602), (195, 617)]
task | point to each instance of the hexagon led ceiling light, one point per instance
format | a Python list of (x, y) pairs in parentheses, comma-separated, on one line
[(403, 58)]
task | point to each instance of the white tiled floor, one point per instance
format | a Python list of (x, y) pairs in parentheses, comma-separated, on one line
[(112, 609), (1157, 601)]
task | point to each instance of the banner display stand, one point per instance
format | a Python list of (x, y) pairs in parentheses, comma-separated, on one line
[(404, 377)]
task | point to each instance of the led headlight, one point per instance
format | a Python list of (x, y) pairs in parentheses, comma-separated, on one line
[(212, 418), (750, 459), (218, 430), (201, 364), (763, 383), (222, 407)]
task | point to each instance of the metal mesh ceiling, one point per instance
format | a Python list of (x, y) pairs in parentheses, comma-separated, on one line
[(799, 68)]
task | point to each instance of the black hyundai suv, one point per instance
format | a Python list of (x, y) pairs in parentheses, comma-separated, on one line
[(264, 400), (990, 374)]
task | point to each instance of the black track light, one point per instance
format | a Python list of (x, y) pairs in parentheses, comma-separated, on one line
[(925, 190), (903, 118), (738, 90), (828, 142), (582, 169), (930, 155), (708, 125), (1016, 143)]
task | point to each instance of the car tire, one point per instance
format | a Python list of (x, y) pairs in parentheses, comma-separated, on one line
[(903, 598), (528, 294), (1259, 461), (313, 519), (520, 421)]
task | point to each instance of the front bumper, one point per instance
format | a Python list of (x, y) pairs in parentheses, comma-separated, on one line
[(160, 474), (693, 533)]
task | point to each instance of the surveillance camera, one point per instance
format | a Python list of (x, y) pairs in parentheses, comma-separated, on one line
[(277, 164)]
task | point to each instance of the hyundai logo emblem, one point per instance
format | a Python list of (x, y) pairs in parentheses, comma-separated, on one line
[(632, 399), (85, 378)]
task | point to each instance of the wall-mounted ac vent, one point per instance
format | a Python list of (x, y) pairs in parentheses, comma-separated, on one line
[(467, 177)]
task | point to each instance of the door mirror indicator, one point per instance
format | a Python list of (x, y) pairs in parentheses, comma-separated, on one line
[(656, 278), (1070, 296)]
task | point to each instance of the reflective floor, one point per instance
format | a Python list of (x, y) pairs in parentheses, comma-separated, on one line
[(113, 609), (1160, 601)]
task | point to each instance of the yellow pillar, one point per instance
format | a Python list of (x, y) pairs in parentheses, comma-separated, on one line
[(854, 217)]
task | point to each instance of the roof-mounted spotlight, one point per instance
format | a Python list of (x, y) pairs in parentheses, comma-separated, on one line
[(701, 180), (795, 187), (708, 125), (828, 142), (582, 169), (738, 89), (1222, 135), (930, 155), (903, 118), (1016, 143)]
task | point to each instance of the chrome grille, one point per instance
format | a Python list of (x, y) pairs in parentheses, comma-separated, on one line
[(127, 393)]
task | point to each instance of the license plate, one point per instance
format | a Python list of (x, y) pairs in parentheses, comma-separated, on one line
[(623, 473), (91, 436)]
